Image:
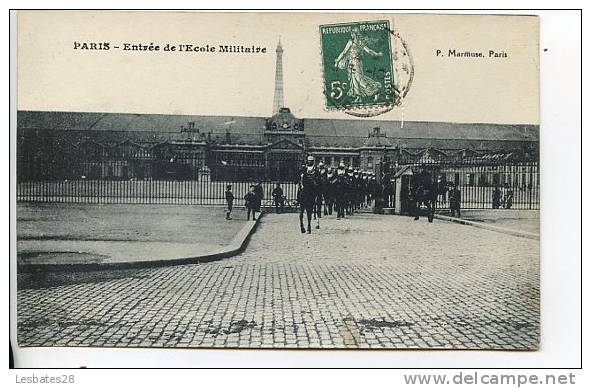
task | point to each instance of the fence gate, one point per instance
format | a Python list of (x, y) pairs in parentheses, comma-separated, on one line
[(183, 174), (514, 184)]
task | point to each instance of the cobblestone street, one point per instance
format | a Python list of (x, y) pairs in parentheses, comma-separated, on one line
[(366, 282)]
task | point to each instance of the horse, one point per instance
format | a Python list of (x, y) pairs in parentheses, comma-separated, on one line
[(320, 197), (425, 190), (329, 195), (307, 199)]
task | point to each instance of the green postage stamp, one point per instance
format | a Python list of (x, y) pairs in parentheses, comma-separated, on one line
[(357, 67)]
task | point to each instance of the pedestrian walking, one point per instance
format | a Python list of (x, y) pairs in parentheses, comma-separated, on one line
[(250, 203), (229, 202), (258, 193), (455, 201), (496, 198), (278, 199)]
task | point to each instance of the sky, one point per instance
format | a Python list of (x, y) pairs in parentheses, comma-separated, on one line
[(53, 76)]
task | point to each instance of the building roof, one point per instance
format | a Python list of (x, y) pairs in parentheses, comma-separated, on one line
[(117, 127)]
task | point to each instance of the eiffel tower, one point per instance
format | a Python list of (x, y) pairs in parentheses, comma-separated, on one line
[(278, 102)]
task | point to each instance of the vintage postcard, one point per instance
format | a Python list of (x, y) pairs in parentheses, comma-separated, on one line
[(277, 180)]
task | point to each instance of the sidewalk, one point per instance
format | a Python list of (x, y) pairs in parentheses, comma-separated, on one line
[(123, 235), (525, 223)]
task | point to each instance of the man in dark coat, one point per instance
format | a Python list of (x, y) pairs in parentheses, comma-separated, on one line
[(455, 201), (258, 193), (278, 199), (496, 198), (229, 202), (250, 204)]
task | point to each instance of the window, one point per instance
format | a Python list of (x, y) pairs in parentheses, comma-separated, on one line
[(369, 162)]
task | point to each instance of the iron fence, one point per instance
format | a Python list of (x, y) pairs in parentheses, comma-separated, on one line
[(483, 183), (186, 174), (141, 176)]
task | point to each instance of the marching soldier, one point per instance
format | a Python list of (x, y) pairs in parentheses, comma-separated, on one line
[(308, 168), (371, 187), (308, 194), (340, 190), (356, 191), (365, 193), (362, 189), (350, 191), (329, 193), (320, 179), (387, 190)]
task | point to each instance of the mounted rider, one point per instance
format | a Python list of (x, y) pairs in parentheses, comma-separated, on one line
[(308, 192), (372, 187), (421, 181), (365, 187), (323, 190), (350, 192), (310, 174), (329, 192), (424, 191), (357, 190), (340, 190), (321, 183)]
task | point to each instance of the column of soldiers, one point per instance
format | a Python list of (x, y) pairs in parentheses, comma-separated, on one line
[(343, 190)]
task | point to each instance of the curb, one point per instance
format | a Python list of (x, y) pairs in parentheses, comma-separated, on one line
[(482, 225), (235, 247)]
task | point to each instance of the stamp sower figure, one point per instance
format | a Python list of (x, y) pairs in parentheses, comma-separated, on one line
[(455, 201), (249, 203), (360, 85), (278, 199), (229, 201)]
